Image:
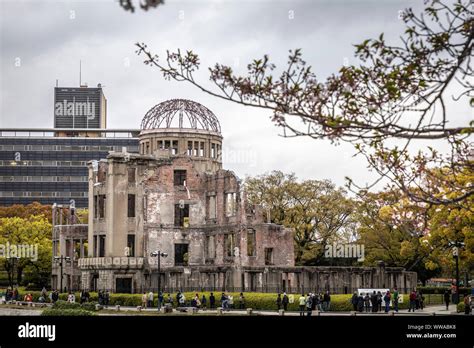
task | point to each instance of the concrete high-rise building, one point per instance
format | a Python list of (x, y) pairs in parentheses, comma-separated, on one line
[(49, 165)]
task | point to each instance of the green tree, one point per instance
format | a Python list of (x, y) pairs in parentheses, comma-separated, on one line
[(317, 211), (397, 91), (36, 231)]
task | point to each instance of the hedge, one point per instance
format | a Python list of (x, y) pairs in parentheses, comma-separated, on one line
[(50, 312), (257, 301), (88, 306)]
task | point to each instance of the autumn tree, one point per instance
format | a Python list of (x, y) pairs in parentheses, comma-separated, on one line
[(398, 95), (317, 211)]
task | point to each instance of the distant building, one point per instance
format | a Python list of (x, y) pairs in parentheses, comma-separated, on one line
[(49, 165)]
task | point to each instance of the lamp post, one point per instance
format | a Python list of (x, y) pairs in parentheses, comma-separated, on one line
[(158, 254), (61, 259), (456, 245)]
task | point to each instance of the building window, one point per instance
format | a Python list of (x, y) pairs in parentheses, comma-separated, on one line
[(211, 207), (147, 148), (230, 204), (96, 215), (251, 242), (201, 149), (190, 148), (131, 245), (94, 250), (101, 206), (174, 147), (210, 247), (181, 215), (102, 246), (229, 244), (181, 256), (131, 205), (268, 256), (179, 177), (213, 150), (131, 175)]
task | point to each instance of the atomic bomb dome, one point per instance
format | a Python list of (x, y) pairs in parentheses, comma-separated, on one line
[(182, 114), (180, 127)]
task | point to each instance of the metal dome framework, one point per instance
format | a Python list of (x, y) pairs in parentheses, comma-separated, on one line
[(186, 113)]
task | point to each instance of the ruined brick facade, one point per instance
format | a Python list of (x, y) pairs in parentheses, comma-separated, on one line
[(174, 197)]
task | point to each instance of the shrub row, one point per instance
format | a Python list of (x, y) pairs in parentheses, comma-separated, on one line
[(257, 301), (67, 312)]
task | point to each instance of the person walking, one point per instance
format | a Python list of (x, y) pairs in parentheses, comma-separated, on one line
[(354, 301), (212, 301), (241, 301), (204, 302), (467, 304), (302, 303), (379, 301), (412, 301), (144, 299), (71, 298), (447, 299), (309, 304), (395, 299), (150, 299), (160, 300), (373, 300), (278, 302), (367, 303), (327, 301), (387, 299), (421, 299), (285, 301)]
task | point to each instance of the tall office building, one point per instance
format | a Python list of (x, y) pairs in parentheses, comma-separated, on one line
[(49, 165)]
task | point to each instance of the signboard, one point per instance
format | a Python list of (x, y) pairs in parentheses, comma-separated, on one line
[(78, 107)]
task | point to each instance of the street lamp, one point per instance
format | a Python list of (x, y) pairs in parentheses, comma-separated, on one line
[(456, 245), (61, 259), (158, 254)]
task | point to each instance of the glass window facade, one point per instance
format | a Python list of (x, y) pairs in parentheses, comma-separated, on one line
[(51, 169)]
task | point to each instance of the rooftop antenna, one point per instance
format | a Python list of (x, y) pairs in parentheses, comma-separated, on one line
[(80, 73)]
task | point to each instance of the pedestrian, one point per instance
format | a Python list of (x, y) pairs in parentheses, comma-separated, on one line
[(230, 301), (367, 302), (285, 301), (212, 301), (223, 301), (150, 299), (178, 296), (327, 301), (170, 300), (387, 299), (360, 303), (144, 299), (44, 293), (302, 302), (354, 301), (71, 298), (107, 298), (417, 300), (197, 301), (241, 301), (309, 304), (204, 302), (379, 301), (373, 300), (28, 298), (467, 304), (447, 299), (84, 297), (160, 300), (395, 299), (182, 300), (55, 296), (412, 301), (278, 301), (421, 300)]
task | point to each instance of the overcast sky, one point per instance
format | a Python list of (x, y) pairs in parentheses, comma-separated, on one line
[(48, 38)]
